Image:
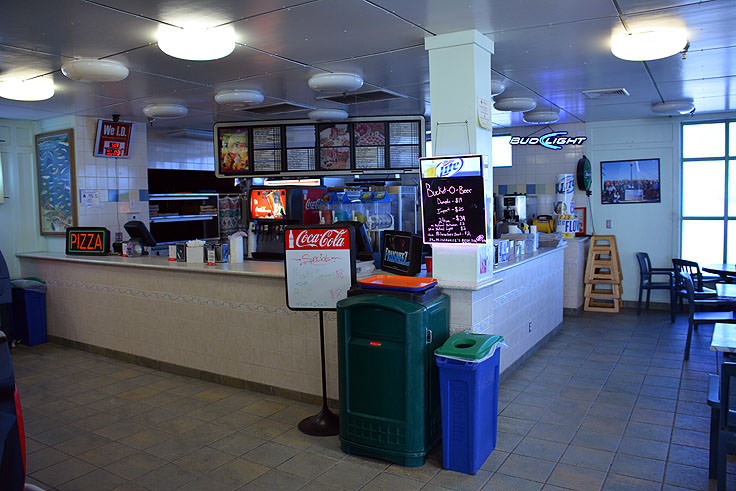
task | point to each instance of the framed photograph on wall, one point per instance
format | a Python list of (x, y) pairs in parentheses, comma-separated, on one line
[(630, 181), (56, 181)]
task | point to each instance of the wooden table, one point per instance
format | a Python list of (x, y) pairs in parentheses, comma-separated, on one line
[(724, 338), (726, 271), (726, 291)]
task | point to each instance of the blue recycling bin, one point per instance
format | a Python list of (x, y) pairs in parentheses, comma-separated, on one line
[(28, 313), (469, 378)]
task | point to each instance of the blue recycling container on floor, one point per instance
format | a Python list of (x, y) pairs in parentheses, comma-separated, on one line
[(29, 311), (469, 373)]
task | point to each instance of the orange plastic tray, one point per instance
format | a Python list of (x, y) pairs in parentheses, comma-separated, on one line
[(396, 282)]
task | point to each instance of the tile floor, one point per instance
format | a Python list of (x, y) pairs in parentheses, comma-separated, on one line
[(606, 404)]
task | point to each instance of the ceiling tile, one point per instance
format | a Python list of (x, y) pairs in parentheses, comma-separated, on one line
[(214, 12), (441, 17), (72, 28), (329, 30), (243, 62)]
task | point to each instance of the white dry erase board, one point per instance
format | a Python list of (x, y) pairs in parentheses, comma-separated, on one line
[(319, 265)]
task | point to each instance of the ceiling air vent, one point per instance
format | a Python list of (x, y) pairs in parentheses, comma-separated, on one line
[(190, 133), (598, 93), (364, 96), (278, 108)]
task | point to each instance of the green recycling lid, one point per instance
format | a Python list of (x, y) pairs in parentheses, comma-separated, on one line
[(468, 345)]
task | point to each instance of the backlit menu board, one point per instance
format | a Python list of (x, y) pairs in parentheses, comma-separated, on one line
[(453, 200), (303, 147)]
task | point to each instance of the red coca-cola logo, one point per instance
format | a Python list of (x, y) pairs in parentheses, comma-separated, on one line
[(322, 239), (311, 204)]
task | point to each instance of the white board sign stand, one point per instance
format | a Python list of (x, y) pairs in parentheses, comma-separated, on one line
[(320, 269)]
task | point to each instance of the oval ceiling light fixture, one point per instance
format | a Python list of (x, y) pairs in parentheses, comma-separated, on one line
[(196, 43), (514, 103), (238, 97), (683, 106), (653, 44), (165, 111), (94, 70), (497, 87), (336, 82), (327, 114), (34, 89), (542, 115)]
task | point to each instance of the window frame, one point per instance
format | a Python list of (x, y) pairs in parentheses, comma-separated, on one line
[(724, 218)]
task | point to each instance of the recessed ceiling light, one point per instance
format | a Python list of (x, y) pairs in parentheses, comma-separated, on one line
[(327, 114), (165, 111), (647, 45), (196, 43), (497, 87), (674, 107), (547, 115), (514, 103), (238, 97), (340, 82), (94, 70), (34, 89)]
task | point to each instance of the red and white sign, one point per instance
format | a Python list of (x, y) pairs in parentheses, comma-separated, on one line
[(113, 139), (319, 266), (311, 239), (311, 206)]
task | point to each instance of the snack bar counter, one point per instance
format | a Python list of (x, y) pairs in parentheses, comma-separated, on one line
[(230, 322)]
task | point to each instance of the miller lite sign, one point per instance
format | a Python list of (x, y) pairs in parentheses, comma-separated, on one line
[(319, 265)]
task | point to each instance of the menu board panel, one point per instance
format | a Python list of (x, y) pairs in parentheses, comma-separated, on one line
[(453, 200), (334, 158), (370, 134), (266, 160), (334, 135), (233, 150), (300, 136), (404, 133), (404, 157), (267, 137), (370, 158), (300, 159)]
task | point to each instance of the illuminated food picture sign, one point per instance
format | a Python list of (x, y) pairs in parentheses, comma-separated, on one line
[(553, 141), (113, 139), (453, 200), (90, 241)]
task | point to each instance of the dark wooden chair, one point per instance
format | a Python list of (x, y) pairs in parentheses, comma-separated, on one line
[(646, 283), (702, 291), (706, 311)]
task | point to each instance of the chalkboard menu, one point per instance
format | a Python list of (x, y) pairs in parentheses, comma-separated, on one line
[(308, 148), (453, 200)]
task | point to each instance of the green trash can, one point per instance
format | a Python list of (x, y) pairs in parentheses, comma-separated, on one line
[(389, 389)]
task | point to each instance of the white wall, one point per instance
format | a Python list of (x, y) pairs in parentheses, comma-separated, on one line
[(165, 152), (19, 222), (648, 227)]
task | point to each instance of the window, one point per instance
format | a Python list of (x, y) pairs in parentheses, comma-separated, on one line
[(708, 231), (501, 150)]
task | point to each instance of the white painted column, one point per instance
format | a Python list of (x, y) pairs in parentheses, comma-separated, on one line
[(459, 75)]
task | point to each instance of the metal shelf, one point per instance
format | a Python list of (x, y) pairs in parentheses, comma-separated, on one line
[(180, 196), (182, 218)]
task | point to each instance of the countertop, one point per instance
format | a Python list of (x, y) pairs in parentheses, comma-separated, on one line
[(268, 269)]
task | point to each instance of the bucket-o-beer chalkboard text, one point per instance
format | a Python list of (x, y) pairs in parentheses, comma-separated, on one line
[(453, 200)]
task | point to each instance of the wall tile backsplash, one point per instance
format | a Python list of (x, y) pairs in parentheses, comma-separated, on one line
[(113, 186)]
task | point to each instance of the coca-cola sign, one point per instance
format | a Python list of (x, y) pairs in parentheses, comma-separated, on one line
[(313, 239)]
